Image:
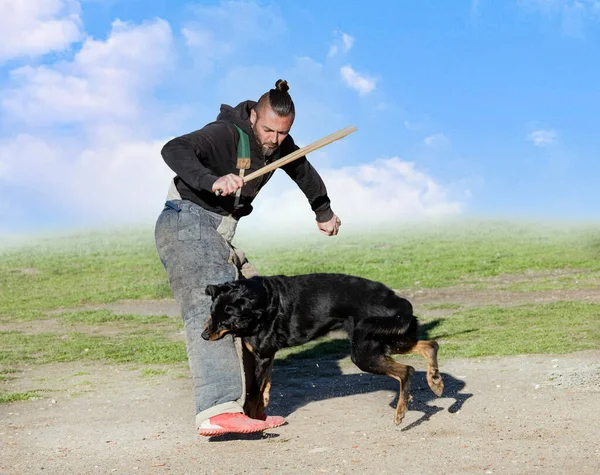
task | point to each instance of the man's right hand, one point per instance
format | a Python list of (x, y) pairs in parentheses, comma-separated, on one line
[(228, 184)]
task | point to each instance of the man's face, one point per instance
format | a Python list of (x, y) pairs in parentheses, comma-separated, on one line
[(269, 128)]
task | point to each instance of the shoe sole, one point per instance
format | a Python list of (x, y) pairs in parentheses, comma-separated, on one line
[(213, 432), (273, 425)]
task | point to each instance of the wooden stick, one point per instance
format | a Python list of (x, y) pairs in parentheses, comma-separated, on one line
[(297, 154), (340, 134)]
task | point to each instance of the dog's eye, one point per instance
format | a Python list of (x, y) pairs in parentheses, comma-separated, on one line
[(229, 309)]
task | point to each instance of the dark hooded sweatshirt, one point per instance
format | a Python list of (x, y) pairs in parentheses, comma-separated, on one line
[(200, 157)]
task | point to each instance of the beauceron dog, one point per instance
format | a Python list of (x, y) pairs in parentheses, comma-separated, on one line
[(270, 313)]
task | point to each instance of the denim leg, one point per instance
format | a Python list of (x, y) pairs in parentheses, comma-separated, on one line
[(194, 255)]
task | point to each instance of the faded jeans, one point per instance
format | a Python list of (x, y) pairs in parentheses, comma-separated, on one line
[(195, 248)]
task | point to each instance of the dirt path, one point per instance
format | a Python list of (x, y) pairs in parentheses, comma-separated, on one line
[(514, 415), (523, 414)]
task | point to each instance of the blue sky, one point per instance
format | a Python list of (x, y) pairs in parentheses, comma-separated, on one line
[(464, 108)]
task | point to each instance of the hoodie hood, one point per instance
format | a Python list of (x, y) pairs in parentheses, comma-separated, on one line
[(238, 115)]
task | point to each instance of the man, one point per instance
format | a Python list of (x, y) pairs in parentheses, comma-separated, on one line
[(194, 231)]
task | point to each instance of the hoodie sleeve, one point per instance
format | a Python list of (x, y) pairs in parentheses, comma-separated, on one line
[(188, 154), (310, 182)]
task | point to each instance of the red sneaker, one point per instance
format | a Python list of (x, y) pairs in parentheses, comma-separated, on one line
[(231, 422), (273, 421)]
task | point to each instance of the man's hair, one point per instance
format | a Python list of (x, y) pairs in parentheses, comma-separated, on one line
[(278, 99)]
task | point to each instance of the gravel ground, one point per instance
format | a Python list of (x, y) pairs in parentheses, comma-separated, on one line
[(513, 415)]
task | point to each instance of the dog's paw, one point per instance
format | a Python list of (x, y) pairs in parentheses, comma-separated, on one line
[(435, 383), (400, 412)]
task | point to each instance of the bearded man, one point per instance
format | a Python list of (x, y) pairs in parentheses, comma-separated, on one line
[(193, 237)]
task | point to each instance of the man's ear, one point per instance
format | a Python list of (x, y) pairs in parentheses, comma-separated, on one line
[(214, 290)]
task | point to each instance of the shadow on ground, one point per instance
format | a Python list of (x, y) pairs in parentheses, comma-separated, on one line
[(315, 375)]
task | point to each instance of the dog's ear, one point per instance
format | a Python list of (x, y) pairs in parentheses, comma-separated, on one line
[(214, 290)]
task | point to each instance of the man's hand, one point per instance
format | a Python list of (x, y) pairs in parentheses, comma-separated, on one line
[(228, 184), (331, 227)]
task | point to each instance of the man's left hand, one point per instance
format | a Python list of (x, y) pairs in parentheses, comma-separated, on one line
[(331, 227)]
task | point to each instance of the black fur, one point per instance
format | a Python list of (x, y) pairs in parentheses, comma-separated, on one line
[(271, 313)]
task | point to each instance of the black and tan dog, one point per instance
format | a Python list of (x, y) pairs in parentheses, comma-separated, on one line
[(271, 313)]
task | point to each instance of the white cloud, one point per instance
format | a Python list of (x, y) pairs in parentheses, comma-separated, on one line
[(412, 126), (475, 8), (106, 168), (27, 158), (360, 83), (542, 138), (382, 192), (130, 176), (214, 33), (348, 42), (119, 183), (104, 81), (36, 27), (572, 14), (205, 41), (556, 5), (437, 141), (343, 42), (105, 94)]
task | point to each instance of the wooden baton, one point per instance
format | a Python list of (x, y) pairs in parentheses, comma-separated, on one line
[(340, 134)]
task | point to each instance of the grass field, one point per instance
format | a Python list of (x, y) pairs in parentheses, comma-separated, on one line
[(46, 287)]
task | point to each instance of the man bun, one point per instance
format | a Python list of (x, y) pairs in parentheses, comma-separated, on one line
[(278, 99), (282, 85)]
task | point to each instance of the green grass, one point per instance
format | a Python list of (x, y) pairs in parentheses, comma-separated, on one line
[(9, 371), (441, 306), (106, 267), (560, 327), (98, 317), (77, 270), (436, 258), (149, 372), (14, 397), (19, 347), (54, 277), (576, 281)]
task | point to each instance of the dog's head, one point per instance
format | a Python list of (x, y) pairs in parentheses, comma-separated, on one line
[(236, 308)]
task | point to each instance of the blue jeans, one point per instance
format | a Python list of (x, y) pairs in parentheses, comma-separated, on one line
[(195, 248)]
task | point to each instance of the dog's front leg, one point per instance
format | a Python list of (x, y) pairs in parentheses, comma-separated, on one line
[(264, 369), (258, 371), (252, 389)]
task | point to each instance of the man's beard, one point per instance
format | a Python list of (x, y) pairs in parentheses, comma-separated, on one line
[(266, 150)]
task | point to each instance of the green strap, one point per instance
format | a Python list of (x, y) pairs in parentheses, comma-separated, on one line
[(243, 150)]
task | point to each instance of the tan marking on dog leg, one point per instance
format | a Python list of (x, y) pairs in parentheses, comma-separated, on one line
[(267, 394), (265, 389), (248, 346), (251, 383), (402, 373), (429, 350)]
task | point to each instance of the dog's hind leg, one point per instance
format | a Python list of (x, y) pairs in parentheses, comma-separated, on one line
[(369, 355), (429, 350)]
